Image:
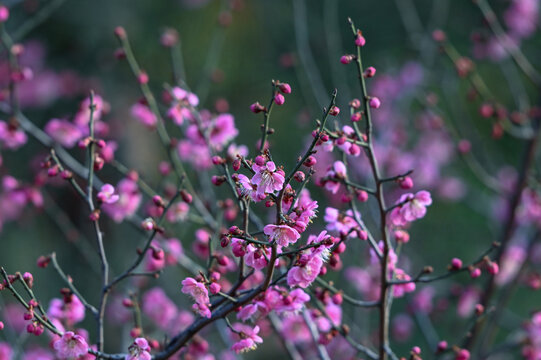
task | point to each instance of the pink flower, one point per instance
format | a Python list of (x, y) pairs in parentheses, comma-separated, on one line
[(309, 264), (510, 264), (247, 189), (413, 208), (177, 212), (282, 234), (63, 132), (196, 153), (279, 99), (293, 302), (11, 137), (4, 13), (5, 351), (71, 310), (343, 223), (295, 329), (267, 178), (70, 346), (184, 96), (143, 113), (374, 103), (255, 257), (222, 131), (248, 338), (159, 308), (202, 309), (83, 115), (128, 201), (179, 113), (196, 290), (107, 194), (334, 175), (139, 350)]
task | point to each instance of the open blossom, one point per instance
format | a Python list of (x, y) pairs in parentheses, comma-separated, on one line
[(248, 338), (267, 178), (143, 113), (196, 290), (256, 257), (304, 210), (309, 264), (177, 212), (202, 310), (72, 311), (70, 346), (139, 350), (159, 308), (247, 189), (282, 234), (333, 175), (63, 132), (11, 137), (293, 302), (343, 223), (107, 194), (128, 201), (83, 115), (413, 207)]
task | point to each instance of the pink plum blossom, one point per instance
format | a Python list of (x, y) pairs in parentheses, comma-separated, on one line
[(5, 351), (63, 132), (129, 199), (267, 178), (70, 345), (139, 350), (71, 309), (143, 113), (413, 207), (11, 137), (159, 308), (196, 290), (282, 234), (107, 194), (248, 338)]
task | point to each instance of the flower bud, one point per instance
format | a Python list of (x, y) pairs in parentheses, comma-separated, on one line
[(299, 176), (475, 273), (256, 107), (406, 183), (43, 261), (236, 164), (359, 39), (120, 32), (456, 264), (142, 78), (346, 59), (4, 13), (284, 88), (214, 288), (335, 110), (355, 103), (279, 99), (356, 117), (186, 196), (310, 161), (369, 72), (148, 224), (374, 103), (442, 346)]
